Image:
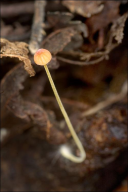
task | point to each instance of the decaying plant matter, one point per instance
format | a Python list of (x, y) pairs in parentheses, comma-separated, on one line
[(88, 43), (19, 50)]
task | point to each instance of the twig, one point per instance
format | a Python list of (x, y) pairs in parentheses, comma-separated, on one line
[(104, 55), (112, 99), (37, 33), (87, 56), (80, 62)]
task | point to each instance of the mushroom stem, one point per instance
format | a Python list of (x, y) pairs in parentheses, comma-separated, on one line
[(64, 151)]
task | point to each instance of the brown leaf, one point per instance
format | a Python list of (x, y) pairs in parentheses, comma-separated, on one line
[(118, 28), (59, 19), (86, 9), (11, 84), (19, 50), (31, 117), (116, 31), (43, 127), (27, 110), (107, 16), (57, 40)]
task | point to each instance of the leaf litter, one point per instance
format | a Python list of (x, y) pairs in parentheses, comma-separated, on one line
[(30, 115)]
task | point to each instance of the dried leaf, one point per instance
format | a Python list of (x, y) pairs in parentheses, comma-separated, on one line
[(19, 50), (116, 31), (57, 40), (118, 28), (86, 9), (59, 19), (99, 21), (11, 84), (27, 110), (80, 27)]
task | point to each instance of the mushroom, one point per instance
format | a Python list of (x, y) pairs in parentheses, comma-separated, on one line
[(43, 57)]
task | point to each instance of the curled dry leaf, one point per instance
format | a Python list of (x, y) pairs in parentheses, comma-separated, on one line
[(12, 84), (116, 31), (63, 19), (80, 27), (57, 40), (59, 19), (86, 9), (42, 127), (27, 110), (118, 28), (99, 21), (19, 50)]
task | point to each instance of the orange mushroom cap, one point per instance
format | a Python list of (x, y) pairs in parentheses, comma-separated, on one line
[(42, 57)]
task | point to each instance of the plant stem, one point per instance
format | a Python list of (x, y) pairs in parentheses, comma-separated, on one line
[(64, 151)]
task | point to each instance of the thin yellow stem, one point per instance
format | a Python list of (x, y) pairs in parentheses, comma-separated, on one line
[(64, 151)]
